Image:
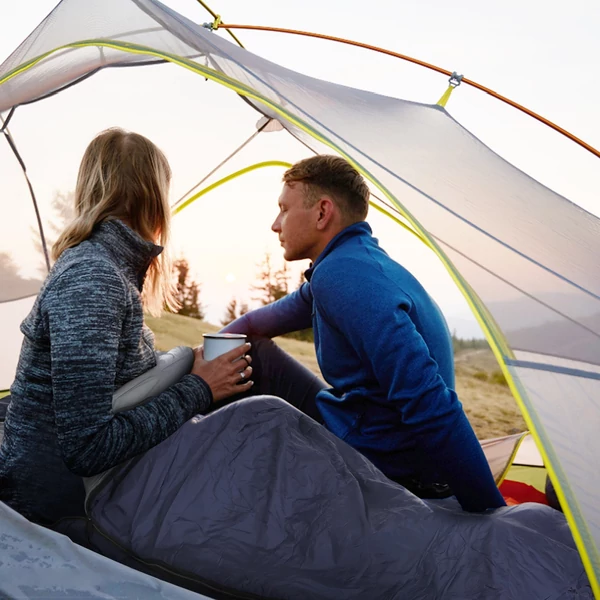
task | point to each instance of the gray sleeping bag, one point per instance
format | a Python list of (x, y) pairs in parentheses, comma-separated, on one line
[(257, 497)]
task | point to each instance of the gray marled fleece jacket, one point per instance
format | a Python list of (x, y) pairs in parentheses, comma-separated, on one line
[(84, 338)]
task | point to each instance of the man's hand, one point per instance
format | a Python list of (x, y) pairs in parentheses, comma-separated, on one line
[(227, 374)]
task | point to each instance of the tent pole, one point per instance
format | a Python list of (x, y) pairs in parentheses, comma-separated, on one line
[(11, 143), (213, 171), (217, 21), (421, 63)]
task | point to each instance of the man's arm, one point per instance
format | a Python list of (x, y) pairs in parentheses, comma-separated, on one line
[(377, 325), (291, 313)]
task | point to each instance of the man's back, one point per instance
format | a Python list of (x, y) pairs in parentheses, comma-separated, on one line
[(384, 347), (380, 283)]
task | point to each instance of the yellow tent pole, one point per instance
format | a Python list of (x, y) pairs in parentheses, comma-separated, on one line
[(216, 184), (279, 163), (399, 222)]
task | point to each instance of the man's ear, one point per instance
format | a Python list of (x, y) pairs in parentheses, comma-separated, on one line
[(326, 212)]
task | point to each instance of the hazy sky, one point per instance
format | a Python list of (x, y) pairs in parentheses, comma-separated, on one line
[(540, 54)]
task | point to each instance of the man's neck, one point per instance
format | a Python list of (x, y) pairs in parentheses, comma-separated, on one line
[(318, 249), (327, 237), (316, 253)]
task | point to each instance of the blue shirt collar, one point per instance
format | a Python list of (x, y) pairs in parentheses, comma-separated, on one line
[(360, 228)]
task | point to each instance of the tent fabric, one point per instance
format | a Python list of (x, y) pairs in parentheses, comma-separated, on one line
[(528, 454), (500, 453), (258, 497), (517, 492), (531, 475), (524, 256), (38, 563)]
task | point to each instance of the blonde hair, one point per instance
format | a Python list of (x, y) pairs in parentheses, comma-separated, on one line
[(124, 176), (335, 177)]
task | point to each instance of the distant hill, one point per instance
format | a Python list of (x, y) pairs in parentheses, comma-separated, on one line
[(480, 385)]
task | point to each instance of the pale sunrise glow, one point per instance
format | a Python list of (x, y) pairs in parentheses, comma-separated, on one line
[(230, 278)]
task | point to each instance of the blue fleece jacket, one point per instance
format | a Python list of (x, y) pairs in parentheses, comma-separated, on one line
[(384, 347)]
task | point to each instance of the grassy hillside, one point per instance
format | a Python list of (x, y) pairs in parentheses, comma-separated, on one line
[(174, 330), (482, 389), (479, 381)]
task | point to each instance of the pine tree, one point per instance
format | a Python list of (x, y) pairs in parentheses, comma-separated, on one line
[(282, 279), (63, 207), (233, 311), (12, 284), (301, 280), (188, 291), (305, 335), (230, 312), (273, 283)]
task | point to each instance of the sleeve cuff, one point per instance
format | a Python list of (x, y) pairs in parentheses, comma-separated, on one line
[(203, 391)]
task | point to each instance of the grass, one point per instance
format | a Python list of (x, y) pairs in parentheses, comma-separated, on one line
[(484, 393), (480, 384), (2, 394), (175, 330)]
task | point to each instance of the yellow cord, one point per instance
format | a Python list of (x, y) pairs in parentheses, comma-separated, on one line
[(445, 96), (217, 22)]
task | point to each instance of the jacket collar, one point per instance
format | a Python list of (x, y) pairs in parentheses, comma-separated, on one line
[(354, 230), (127, 248)]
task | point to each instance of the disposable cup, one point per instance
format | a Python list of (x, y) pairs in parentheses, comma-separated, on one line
[(216, 344)]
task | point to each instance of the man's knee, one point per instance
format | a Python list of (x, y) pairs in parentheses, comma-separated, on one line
[(266, 354), (260, 342)]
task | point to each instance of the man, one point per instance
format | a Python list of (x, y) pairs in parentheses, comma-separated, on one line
[(381, 342)]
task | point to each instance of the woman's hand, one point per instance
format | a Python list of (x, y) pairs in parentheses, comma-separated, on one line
[(225, 375)]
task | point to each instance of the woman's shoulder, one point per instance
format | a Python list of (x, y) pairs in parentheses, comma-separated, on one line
[(85, 266), (81, 278)]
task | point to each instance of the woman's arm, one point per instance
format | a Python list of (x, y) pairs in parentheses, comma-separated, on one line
[(85, 311)]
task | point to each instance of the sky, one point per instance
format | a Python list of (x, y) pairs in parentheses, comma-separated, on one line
[(542, 55)]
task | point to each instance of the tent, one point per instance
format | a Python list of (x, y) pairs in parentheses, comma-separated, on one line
[(52, 561), (523, 256)]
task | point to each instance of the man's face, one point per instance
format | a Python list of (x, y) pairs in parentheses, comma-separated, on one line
[(296, 225)]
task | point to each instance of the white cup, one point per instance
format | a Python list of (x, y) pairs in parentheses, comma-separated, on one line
[(216, 344)]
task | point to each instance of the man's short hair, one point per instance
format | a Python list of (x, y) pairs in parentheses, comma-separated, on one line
[(335, 177)]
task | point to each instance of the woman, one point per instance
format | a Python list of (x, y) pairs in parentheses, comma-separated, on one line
[(85, 337)]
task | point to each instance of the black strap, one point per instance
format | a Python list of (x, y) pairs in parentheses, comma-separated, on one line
[(7, 121), (13, 147)]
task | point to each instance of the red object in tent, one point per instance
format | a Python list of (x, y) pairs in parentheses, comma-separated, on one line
[(517, 492)]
